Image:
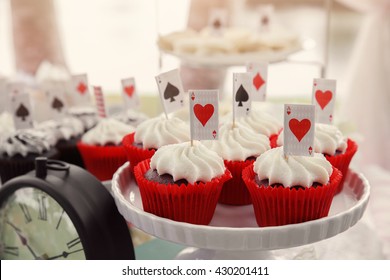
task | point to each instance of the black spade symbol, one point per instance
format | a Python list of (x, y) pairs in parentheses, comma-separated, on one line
[(22, 112), (170, 92), (241, 96), (57, 104)]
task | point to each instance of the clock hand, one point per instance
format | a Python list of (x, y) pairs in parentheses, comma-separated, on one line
[(64, 254), (23, 239)]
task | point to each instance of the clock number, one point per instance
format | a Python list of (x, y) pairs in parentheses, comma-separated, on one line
[(26, 213), (11, 250), (73, 242), (42, 208), (60, 219)]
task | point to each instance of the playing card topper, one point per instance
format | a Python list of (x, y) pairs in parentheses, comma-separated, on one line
[(324, 96), (56, 99), (80, 93), (129, 93), (266, 17), (217, 20), (242, 97), (100, 103), (204, 114), (22, 111), (298, 130), (171, 90), (259, 72)]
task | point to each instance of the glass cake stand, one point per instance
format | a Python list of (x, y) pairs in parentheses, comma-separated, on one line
[(233, 232)]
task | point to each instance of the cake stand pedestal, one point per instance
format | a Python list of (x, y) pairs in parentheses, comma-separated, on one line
[(233, 232)]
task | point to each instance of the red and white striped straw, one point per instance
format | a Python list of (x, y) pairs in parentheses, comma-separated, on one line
[(101, 108)]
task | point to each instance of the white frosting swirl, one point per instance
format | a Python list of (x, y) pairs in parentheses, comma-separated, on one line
[(107, 131), (238, 143), (292, 170), (192, 163), (24, 142), (160, 131), (262, 122), (327, 139), (63, 129)]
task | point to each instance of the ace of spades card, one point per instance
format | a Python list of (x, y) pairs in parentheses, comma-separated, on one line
[(22, 111), (242, 97), (80, 90), (129, 93), (299, 126), (171, 90), (204, 114), (324, 95), (259, 72), (56, 97)]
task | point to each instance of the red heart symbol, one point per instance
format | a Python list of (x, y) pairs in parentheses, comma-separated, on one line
[(129, 90), (82, 88), (203, 113), (299, 128), (323, 98)]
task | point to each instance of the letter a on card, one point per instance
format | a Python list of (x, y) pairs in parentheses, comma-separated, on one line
[(171, 90), (324, 93), (298, 130), (204, 114)]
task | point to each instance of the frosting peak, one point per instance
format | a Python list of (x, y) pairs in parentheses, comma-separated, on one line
[(262, 122), (238, 143), (292, 170), (192, 163), (157, 132), (107, 131)]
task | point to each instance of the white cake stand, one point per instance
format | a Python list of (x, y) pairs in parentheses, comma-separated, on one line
[(233, 232)]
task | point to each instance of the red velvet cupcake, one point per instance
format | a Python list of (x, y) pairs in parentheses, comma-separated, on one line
[(293, 189), (329, 141), (153, 134), (101, 148), (238, 146), (182, 182)]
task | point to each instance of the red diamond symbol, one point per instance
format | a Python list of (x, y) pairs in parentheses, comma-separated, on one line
[(81, 88), (214, 133), (258, 81), (310, 150)]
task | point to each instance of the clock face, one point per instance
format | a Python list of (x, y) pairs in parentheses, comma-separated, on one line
[(34, 226)]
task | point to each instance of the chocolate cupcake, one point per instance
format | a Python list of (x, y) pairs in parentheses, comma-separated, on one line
[(19, 150), (239, 146)]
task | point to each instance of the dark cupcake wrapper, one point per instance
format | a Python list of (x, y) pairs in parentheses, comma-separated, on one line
[(69, 151), (11, 167)]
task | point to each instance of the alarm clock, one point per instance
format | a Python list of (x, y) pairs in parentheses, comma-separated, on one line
[(60, 211)]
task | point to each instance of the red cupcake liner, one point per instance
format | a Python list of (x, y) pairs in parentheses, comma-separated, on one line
[(342, 161), (234, 191), (102, 161), (192, 203), (135, 154), (282, 206)]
